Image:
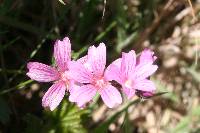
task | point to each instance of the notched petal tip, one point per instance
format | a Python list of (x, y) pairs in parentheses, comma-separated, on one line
[(147, 56), (62, 53)]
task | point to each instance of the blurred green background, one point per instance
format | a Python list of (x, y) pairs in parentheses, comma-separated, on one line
[(28, 30)]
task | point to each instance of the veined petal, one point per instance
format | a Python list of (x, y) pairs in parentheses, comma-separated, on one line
[(79, 73), (145, 85), (117, 62), (143, 71), (130, 92), (54, 95), (113, 72), (41, 72), (97, 58), (128, 63), (147, 56), (83, 59), (111, 96), (62, 53), (82, 95)]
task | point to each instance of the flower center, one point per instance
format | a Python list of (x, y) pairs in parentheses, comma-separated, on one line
[(128, 83), (64, 77), (100, 83)]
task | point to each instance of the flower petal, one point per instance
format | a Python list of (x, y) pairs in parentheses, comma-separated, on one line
[(97, 58), (112, 72), (62, 53), (145, 85), (41, 72), (130, 92), (83, 59), (54, 95), (79, 73), (111, 96), (128, 63), (143, 71), (147, 56), (82, 95)]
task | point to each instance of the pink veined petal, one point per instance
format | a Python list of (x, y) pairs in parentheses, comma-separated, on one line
[(112, 72), (128, 63), (54, 95), (111, 96), (144, 85), (130, 92), (147, 56), (97, 58), (79, 73), (82, 95), (117, 62), (41, 72), (73, 89), (62, 53), (83, 59), (143, 71), (73, 85)]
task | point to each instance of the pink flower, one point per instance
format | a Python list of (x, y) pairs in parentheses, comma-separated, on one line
[(89, 71), (133, 73), (44, 73)]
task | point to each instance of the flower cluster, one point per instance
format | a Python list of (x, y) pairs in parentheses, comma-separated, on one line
[(87, 76)]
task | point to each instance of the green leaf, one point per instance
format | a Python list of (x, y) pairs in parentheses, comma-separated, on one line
[(127, 126), (67, 118), (170, 95), (104, 126)]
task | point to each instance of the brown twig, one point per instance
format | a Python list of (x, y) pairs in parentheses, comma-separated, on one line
[(192, 9)]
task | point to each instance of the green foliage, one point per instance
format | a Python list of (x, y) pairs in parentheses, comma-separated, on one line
[(103, 127), (183, 125), (162, 88), (67, 118)]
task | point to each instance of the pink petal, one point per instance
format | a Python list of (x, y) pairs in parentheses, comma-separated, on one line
[(130, 92), (82, 95), (143, 71), (128, 63), (117, 62), (112, 72), (147, 56), (79, 73), (54, 95), (97, 58), (41, 72), (145, 85), (83, 59), (62, 53), (111, 96)]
